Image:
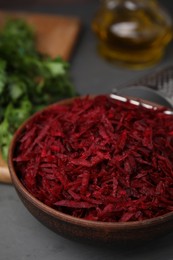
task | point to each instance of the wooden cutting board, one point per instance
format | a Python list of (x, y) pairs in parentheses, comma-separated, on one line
[(55, 36)]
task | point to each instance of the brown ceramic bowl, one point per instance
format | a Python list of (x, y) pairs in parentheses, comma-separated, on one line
[(84, 230)]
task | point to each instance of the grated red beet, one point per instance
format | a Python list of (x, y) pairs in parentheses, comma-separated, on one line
[(99, 159)]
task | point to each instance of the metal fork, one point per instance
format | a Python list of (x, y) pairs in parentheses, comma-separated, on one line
[(139, 103), (161, 83)]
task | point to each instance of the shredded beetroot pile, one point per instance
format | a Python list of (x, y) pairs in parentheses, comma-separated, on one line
[(99, 159)]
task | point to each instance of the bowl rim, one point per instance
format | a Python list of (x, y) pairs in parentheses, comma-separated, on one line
[(155, 221)]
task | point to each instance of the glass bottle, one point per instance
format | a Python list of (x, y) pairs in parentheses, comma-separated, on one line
[(133, 33)]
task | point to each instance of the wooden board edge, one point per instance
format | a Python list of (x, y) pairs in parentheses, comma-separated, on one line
[(5, 175)]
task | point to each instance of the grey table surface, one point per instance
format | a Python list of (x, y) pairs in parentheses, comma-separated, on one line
[(22, 237)]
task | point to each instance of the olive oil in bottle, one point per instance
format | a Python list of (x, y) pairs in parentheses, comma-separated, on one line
[(133, 33)]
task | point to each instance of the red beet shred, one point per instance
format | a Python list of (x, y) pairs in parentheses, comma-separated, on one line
[(99, 159)]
